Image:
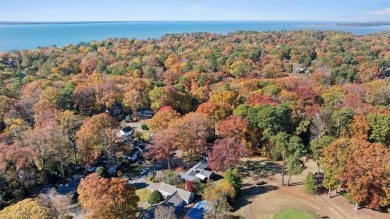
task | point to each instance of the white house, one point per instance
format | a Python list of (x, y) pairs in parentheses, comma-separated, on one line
[(125, 132), (197, 173)]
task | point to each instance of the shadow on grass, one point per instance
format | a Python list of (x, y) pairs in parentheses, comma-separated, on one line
[(259, 169), (216, 177), (246, 194)]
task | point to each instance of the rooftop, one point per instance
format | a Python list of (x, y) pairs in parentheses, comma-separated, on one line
[(172, 189)]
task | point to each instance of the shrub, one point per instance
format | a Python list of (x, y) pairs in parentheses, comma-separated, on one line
[(172, 178), (101, 171), (155, 197), (234, 178), (128, 118), (144, 127), (310, 184), (199, 187)]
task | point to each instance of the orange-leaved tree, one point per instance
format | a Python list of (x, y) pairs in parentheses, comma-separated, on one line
[(103, 198), (367, 174), (162, 118), (162, 148), (90, 138)]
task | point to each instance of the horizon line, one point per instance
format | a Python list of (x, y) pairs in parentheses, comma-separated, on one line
[(122, 21)]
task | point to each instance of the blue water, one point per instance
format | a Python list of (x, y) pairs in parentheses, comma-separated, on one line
[(30, 36)]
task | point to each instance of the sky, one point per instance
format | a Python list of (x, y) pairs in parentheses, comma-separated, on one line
[(195, 10)]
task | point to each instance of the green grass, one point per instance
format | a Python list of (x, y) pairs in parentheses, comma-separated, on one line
[(292, 214), (133, 170), (347, 197), (143, 195)]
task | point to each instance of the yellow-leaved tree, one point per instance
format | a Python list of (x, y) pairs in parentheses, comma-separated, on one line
[(218, 195), (28, 208)]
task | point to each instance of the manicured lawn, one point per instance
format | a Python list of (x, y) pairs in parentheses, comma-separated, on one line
[(143, 195), (292, 214)]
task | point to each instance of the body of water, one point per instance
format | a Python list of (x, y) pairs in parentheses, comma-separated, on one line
[(31, 36)]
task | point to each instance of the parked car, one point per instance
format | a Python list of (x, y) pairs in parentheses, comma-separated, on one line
[(144, 171), (128, 178), (145, 113), (92, 169)]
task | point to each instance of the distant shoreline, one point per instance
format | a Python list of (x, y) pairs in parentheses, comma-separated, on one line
[(30, 35), (319, 23), (365, 24)]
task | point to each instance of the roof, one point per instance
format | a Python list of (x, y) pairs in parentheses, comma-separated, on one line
[(205, 173), (186, 195), (174, 200), (199, 169), (199, 166), (167, 188), (127, 129), (188, 177)]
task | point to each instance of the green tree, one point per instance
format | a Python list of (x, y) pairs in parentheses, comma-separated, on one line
[(294, 165), (290, 149), (380, 128), (101, 171), (342, 120), (270, 119), (65, 99), (234, 178), (316, 149), (155, 197), (310, 184)]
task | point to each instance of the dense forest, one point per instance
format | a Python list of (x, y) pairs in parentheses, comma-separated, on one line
[(288, 95)]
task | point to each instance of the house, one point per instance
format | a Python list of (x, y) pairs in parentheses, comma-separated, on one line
[(168, 190), (125, 132), (198, 172), (176, 201), (136, 153)]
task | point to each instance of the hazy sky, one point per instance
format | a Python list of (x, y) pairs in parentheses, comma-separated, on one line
[(157, 10)]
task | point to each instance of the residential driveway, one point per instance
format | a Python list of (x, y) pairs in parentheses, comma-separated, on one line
[(134, 125), (142, 183)]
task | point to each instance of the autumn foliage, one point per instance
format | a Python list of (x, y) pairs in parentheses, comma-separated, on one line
[(287, 95), (107, 198)]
